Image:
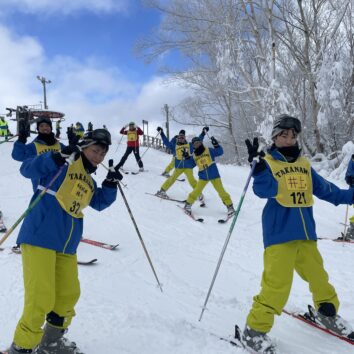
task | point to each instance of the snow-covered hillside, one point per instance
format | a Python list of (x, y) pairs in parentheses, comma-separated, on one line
[(122, 311)]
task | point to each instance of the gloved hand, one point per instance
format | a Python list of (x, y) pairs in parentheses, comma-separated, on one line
[(23, 130), (60, 157), (72, 137), (205, 130), (214, 142), (185, 154), (350, 181), (113, 176), (253, 153), (159, 129)]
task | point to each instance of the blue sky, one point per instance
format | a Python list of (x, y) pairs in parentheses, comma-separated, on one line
[(86, 48)]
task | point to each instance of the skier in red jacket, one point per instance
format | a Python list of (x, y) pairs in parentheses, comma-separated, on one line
[(132, 133)]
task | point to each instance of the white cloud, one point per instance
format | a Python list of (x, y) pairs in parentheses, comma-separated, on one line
[(84, 91), (64, 6)]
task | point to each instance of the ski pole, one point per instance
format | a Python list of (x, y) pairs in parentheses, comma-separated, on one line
[(6, 140), (228, 236), (137, 230), (147, 148), (32, 205), (345, 222), (120, 141)]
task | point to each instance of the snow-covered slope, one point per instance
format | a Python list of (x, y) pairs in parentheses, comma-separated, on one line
[(121, 310)]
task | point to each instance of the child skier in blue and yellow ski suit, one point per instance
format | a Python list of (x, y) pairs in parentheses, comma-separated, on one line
[(204, 158), (179, 147), (49, 238), (287, 180)]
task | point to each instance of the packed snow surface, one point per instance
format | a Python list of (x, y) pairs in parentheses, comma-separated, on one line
[(121, 309)]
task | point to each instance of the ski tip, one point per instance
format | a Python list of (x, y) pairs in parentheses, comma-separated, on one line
[(200, 220)]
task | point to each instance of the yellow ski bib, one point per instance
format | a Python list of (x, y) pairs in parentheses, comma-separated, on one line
[(132, 135), (41, 148), (294, 182), (204, 160), (76, 191), (179, 151)]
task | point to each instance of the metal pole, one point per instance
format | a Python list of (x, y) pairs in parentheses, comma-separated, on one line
[(167, 121), (44, 81), (228, 237)]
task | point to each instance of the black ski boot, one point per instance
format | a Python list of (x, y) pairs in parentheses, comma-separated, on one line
[(53, 342), (259, 342), (326, 317)]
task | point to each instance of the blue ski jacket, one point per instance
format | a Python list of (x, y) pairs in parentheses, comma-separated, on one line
[(188, 163), (212, 171), (21, 152), (281, 224), (48, 225)]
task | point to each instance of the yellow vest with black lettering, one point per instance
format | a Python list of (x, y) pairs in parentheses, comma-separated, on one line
[(204, 160), (294, 182), (42, 148), (76, 191), (179, 150), (132, 135)]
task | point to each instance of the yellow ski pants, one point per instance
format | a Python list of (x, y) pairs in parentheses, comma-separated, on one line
[(176, 173), (225, 197), (280, 261), (51, 283), (170, 166)]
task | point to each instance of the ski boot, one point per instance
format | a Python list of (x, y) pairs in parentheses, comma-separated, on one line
[(230, 210), (350, 233), (53, 342), (141, 169), (201, 199), (187, 208), (326, 317), (14, 349), (165, 174), (162, 194), (259, 342)]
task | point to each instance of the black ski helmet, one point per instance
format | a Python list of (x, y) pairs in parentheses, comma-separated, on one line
[(97, 136), (283, 122), (44, 120)]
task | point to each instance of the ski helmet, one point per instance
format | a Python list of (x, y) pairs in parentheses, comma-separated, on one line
[(44, 120), (195, 139), (97, 136), (284, 122)]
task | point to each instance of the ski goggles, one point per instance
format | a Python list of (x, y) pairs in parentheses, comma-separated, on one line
[(99, 136), (287, 122)]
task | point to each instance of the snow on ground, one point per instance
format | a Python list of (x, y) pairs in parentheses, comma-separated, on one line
[(121, 310)]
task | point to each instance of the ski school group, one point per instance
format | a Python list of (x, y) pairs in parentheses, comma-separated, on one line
[(63, 187)]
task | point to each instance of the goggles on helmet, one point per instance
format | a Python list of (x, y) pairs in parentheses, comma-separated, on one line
[(99, 136), (287, 122)]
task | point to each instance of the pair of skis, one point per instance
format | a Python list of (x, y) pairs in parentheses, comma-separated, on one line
[(339, 239), (308, 317), (16, 249), (191, 215), (132, 172)]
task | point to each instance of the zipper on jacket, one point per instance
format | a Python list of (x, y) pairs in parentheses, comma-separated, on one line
[(71, 232), (303, 223)]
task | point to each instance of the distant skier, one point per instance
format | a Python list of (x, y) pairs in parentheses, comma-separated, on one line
[(4, 128), (349, 178), (132, 132), (79, 130), (2, 225), (286, 179), (44, 142), (89, 127), (204, 158), (180, 148), (49, 237), (57, 129)]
